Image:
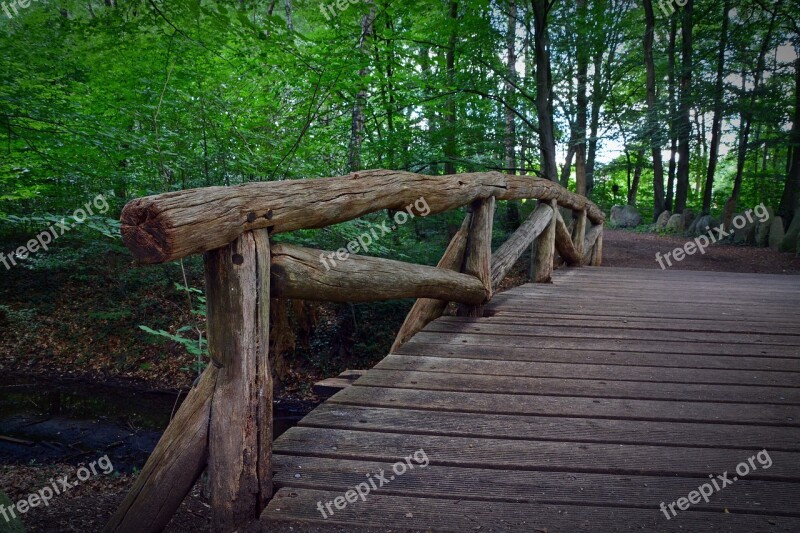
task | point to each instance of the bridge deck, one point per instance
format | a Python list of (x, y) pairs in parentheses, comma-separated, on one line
[(581, 404)]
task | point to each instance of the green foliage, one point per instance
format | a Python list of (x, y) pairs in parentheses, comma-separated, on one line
[(191, 336)]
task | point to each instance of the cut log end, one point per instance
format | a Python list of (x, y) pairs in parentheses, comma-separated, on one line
[(145, 232)]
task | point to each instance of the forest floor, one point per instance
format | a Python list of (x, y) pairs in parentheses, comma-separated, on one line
[(87, 507)]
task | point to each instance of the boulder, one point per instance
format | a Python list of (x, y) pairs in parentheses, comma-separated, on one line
[(662, 220), (675, 223), (762, 234), (789, 243), (625, 217), (776, 233), (687, 218), (703, 225), (747, 233)]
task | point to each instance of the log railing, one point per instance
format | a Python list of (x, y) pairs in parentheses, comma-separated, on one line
[(225, 423)]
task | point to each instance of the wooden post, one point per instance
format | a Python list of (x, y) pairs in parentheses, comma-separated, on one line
[(240, 431), (579, 233), (545, 250), (597, 257), (478, 256)]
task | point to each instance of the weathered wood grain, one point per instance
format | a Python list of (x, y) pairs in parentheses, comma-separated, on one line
[(299, 272), (545, 251), (509, 253), (426, 309), (579, 233), (173, 225), (478, 255), (564, 242), (172, 469), (237, 285)]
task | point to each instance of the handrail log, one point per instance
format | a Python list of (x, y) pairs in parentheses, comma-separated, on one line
[(507, 255), (300, 273), (176, 224)]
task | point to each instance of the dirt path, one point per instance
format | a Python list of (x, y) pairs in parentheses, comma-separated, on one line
[(638, 250)]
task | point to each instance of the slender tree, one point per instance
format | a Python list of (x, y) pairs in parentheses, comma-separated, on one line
[(684, 111), (652, 111), (716, 123)]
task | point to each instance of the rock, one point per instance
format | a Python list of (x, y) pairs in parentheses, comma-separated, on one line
[(776, 233), (675, 223), (625, 217), (762, 234), (687, 218), (703, 225), (789, 243), (745, 234), (662, 220)]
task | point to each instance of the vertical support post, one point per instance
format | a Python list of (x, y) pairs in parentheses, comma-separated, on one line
[(240, 430), (478, 255), (546, 250), (597, 256), (579, 232)]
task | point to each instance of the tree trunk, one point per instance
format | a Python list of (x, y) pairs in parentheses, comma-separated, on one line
[(512, 208), (450, 147), (357, 123), (747, 117), (544, 100), (790, 200), (637, 174), (673, 135), (716, 123), (655, 137), (684, 118), (581, 100)]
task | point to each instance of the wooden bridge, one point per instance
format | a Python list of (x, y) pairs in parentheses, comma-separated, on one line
[(608, 400)]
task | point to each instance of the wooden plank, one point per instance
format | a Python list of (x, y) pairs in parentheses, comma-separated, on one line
[(621, 345), (487, 327), (581, 387), (559, 406), (430, 514), (599, 357), (487, 367), (533, 455), (591, 322), (562, 429), (303, 273), (576, 488), (330, 386)]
